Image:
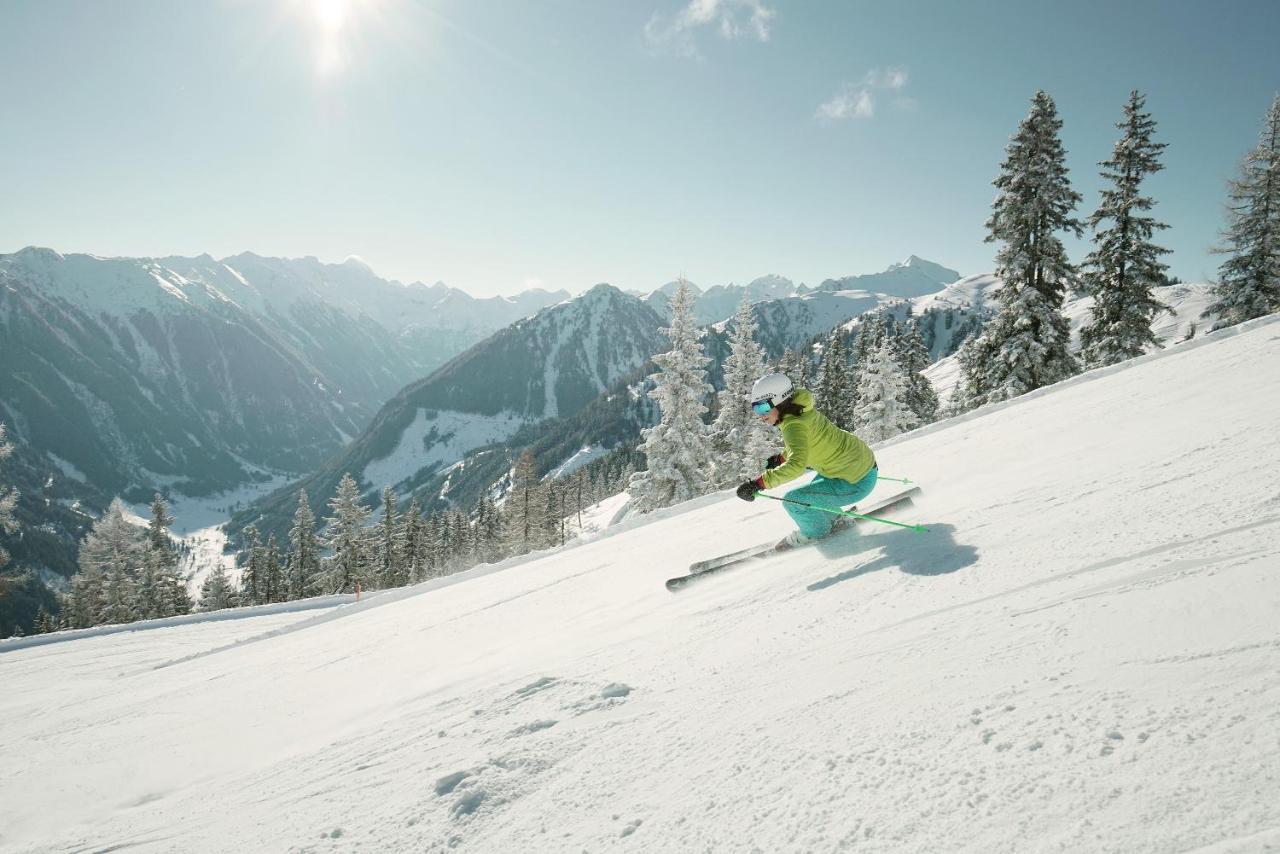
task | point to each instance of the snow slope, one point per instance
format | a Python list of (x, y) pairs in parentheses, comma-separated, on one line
[(1083, 654)]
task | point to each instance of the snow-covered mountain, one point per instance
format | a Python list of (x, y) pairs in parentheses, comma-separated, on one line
[(123, 376), (1081, 654), (190, 372), (949, 313), (913, 277), (544, 367)]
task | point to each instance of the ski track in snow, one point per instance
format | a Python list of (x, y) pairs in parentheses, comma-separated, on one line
[(1082, 654)]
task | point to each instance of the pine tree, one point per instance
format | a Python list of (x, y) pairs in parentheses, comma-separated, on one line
[(1249, 280), (922, 399), (252, 568), (1125, 265), (272, 573), (217, 591), (345, 535), (305, 579), (883, 410), (390, 538), (8, 500), (677, 449), (740, 441), (162, 592), (524, 508), (105, 589), (1025, 346), (411, 537), (835, 391), (797, 368)]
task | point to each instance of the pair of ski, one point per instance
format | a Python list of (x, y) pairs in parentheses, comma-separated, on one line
[(703, 568)]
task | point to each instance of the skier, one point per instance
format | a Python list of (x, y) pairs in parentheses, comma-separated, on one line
[(846, 468)]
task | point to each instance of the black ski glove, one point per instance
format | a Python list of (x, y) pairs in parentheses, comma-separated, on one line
[(775, 461), (748, 490)]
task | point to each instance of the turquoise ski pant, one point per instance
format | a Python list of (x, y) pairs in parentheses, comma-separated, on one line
[(832, 493)]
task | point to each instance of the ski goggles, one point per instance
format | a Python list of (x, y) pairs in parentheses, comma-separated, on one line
[(762, 407)]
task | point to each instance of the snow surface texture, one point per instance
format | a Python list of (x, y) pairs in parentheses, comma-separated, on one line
[(1082, 654)]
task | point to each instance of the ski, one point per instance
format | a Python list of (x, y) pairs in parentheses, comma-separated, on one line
[(703, 568)]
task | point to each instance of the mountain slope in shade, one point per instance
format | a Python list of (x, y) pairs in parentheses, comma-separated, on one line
[(1074, 657), (551, 365)]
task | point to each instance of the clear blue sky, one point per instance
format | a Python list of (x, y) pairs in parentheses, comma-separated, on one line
[(495, 144)]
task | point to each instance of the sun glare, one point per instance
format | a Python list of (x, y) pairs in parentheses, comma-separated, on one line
[(330, 15)]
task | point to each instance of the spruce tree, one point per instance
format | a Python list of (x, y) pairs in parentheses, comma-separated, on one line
[(834, 390), (272, 573), (1026, 345), (106, 588), (1249, 280), (524, 509), (217, 591), (740, 441), (921, 396), (389, 535), (797, 368), (1125, 265), (677, 450), (8, 500), (411, 537), (305, 579), (345, 535), (252, 568), (883, 408), (163, 592)]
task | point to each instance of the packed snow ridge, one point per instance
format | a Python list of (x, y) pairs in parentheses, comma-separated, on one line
[(1081, 654)]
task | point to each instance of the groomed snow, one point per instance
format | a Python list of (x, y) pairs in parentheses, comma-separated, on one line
[(1082, 654)]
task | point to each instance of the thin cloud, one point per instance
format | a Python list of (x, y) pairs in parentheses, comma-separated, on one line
[(732, 19), (860, 100)]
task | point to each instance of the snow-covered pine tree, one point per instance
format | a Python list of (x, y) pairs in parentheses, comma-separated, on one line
[(272, 572), (835, 391), (1025, 346), (217, 591), (305, 546), (1124, 265), (345, 535), (740, 441), (162, 592), (797, 368), (677, 450), (105, 589), (914, 353), (8, 500), (389, 535), (883, 408), (1249, 280), (411, 537), (253, 560)]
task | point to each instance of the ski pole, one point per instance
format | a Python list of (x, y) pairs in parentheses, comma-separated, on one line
[(920, 528), (896, 479)]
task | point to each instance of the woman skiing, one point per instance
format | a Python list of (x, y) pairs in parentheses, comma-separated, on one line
[(846, 468)]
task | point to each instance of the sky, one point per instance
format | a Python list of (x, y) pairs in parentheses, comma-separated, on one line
[(497, 146)]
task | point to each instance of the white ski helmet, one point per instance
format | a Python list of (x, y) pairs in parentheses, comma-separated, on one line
[(772, 389)]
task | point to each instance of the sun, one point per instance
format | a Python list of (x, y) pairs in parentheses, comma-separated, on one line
[(330, 15)]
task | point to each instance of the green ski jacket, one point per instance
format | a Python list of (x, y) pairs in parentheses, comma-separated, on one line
[(813, 442)]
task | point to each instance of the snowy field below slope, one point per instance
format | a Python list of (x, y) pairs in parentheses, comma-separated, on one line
[(1082, 654)]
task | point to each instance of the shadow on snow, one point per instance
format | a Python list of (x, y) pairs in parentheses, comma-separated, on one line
[(933, 552)]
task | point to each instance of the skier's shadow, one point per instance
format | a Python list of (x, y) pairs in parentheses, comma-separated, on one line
[(932, 552)]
